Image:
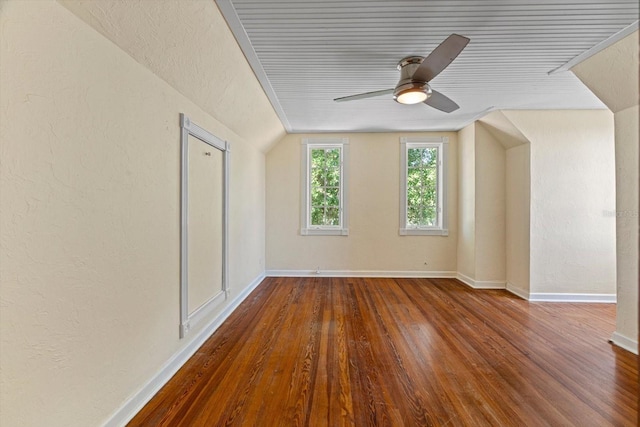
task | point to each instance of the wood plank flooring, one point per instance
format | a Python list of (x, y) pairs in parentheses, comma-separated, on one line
[(402, 352)]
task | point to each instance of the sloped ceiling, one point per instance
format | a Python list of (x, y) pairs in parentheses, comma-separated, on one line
[(306, 53)]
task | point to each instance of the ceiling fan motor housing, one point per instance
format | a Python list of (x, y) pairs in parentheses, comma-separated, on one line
[(407, 67)]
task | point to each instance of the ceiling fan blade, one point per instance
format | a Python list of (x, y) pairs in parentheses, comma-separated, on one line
[(364, 95), (440, 58), (441, 102)]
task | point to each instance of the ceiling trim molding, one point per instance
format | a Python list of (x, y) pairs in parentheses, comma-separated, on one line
[(237, 29), (597, 48)]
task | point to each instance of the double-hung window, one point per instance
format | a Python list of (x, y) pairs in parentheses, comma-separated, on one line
[(423, 186), (324, 184)]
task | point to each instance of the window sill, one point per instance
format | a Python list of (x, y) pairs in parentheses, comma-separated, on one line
[(424, 232), (324, 231)]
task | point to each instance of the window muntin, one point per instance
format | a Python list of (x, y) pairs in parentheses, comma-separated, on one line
[(422, 186), (324, 183)]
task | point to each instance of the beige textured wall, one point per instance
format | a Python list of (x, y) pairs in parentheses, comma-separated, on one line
[(89, 219), (206, 226), (517, 217), (373, 243), (572, 189), (619, 91), (189, 45), (490, 214), (627, 179), (481, 214), (466, 250)]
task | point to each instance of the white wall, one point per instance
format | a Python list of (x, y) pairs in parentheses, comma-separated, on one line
[(89, 191), (373, 243), (518, 176), (572, 189)]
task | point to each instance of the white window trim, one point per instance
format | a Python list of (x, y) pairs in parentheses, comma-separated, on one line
[(442, 143), (305, 220)]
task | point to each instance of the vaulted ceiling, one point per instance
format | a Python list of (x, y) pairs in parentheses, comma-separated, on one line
[(308, 52)]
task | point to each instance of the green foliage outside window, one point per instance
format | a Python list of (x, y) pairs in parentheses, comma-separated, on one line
[(422, 187), (325, 186)]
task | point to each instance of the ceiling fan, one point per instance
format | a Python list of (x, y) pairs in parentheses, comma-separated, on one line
[(415, 74)]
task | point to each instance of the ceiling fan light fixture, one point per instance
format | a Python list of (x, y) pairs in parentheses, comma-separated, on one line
[(412, 93), (412, 96)]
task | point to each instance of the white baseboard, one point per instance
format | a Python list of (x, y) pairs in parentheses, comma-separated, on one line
[(561, 297), (475, 284), (518, 291), (625, 342), (480, 284), (360, 273), (136, 402), (490, 284), (465, 279)]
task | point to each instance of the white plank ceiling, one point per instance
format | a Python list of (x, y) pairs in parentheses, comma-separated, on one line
[(308, 52)]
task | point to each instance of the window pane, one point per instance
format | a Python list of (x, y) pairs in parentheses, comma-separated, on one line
[(413, 196), (429, 196), (332, 216), (429, 157), (428, 216), (317, 196), (427, 176), (414, 156), (332, 197), (421, 216), (317, 216), (317, 159), (318, 177), (332, 177), (413, 216), (333, 157)]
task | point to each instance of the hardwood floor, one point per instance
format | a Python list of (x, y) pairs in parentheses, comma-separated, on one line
[(402, 352)]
